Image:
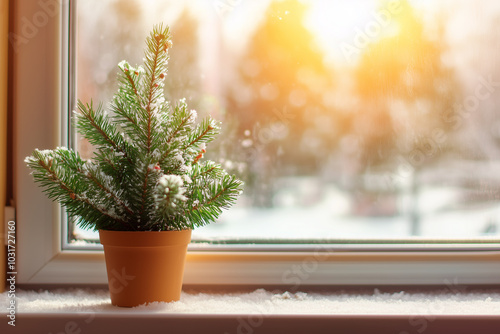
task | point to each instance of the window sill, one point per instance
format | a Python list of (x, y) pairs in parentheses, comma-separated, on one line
[(261, 311)]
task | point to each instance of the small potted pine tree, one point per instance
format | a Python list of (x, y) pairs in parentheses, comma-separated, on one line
[(146, 186)]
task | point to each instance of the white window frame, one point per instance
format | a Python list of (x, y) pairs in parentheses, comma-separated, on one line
[(39, 100)]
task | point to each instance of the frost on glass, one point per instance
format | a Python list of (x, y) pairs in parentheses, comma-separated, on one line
[(346, 119)]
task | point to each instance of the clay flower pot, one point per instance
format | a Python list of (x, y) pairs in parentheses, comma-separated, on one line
[(144, 267)]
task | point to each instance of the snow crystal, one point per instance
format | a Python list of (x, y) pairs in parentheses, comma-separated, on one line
[(29, 159), (125, 137), (156, 154), (171, 181), (87, 164), (179, 158), (187, 179), (45, 152), (124, 65), (193, 115), (180, 196), (214, 124), (112, 212), (186, 168), (140, 69)]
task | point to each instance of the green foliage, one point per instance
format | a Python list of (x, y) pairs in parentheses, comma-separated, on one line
[(147, 172)]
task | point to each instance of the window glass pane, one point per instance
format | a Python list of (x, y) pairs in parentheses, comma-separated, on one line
[(346, 119)]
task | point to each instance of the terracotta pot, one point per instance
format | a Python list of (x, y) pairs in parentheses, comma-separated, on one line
[(144, 267)]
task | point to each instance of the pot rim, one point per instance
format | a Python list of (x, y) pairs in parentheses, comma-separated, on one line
[(144, 238)]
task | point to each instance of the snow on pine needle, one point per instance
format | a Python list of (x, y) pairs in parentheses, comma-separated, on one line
[(147, 172)]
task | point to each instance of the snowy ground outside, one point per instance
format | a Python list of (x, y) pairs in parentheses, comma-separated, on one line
[(331, 217)]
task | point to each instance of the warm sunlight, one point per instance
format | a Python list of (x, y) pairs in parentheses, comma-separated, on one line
[(344, 32)]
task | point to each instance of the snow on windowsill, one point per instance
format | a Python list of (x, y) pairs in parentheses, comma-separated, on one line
[(260, 301)]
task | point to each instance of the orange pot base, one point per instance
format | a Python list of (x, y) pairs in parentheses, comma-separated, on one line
[(144, 267)]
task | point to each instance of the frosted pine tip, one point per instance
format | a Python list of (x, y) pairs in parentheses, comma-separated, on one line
[(159, 37), (168, 45)]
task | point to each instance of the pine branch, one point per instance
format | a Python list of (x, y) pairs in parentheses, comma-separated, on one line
[(126, 117), (98, 130), (219, 195), (52, 171), (126, 104), (177, 130), (100, 183), (205, 132), (169, 198), (96, 179), (202, 173), (156, 59), (181, 121), (132, 78), (144, 192)]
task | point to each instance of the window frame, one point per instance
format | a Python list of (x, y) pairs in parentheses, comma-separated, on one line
[(40, 74)]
